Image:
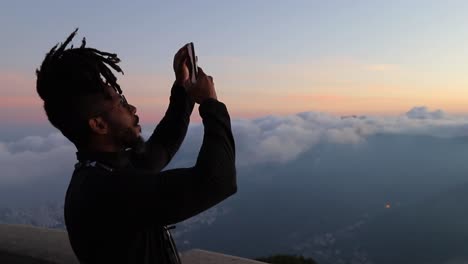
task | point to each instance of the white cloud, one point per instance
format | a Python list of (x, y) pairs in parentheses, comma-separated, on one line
[(38, 144), (267, 139), (281, 139), (421, 112), (36, 158)]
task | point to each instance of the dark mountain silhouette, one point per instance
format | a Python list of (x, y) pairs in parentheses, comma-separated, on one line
[(432, 231), (330, 204), (316, 205)]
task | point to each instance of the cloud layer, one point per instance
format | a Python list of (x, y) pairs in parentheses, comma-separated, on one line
[(34, 158), (281, 139), (268, 139)]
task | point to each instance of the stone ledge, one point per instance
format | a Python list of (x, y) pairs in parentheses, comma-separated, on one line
[(24, 244), (43, 245), (198, 256)]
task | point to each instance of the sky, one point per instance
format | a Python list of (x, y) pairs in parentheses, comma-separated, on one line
[(288, 71), (266, 57)]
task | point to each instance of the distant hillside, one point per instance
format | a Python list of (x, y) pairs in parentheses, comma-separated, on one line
[(49, 215), (329, 204), (318, 204), (432, 231)]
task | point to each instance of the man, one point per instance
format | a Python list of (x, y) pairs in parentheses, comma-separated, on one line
[(119, 202)]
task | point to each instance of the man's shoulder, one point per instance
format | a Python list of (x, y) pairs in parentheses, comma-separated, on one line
[(92, 165), (87, 180)]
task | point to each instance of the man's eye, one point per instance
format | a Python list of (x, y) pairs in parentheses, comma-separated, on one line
[(123, 101)]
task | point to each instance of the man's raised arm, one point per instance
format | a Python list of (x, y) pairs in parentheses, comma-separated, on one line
[(170, 132), (172, 129), (174, 195)]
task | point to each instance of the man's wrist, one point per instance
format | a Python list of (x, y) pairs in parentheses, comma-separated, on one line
[(211, 107), (208, 99), (182, 83)]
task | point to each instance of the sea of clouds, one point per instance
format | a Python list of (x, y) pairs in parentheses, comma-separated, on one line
[(267, 139)]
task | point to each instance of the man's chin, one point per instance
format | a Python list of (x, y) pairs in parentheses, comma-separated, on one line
[(133, 139), (138, 145)]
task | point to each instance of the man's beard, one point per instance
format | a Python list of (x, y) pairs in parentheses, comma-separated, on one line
[(130, 140), (127, 138)]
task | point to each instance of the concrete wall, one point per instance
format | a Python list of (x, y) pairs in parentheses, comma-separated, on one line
[(27, 244), (22, 244)]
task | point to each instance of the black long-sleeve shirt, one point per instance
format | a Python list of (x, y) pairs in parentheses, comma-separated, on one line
[(116, 211)]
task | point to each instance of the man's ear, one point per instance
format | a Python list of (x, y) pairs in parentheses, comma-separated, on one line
[(98, 125)]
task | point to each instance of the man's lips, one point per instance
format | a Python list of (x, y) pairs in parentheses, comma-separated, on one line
[(137, 120)]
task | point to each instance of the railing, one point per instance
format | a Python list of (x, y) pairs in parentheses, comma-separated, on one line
[(23, 244)]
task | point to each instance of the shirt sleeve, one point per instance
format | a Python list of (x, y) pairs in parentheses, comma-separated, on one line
[(174, 195), (169, 134)]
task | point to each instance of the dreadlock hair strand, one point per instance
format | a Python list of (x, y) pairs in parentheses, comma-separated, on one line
[(70, 81)]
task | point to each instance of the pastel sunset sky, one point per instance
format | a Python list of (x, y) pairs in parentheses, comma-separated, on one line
[(266, 57)]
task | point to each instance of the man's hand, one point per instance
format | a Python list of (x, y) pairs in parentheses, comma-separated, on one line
[(181, 68), (203, 88)]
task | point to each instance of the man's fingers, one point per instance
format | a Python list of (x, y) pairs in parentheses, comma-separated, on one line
[(201, 73), (181, 54), (182, 50)]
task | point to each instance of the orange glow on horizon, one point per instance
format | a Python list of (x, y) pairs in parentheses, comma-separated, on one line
[(20, 103), (29, 108)]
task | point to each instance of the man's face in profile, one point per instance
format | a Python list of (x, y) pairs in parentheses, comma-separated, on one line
[(123, 123)]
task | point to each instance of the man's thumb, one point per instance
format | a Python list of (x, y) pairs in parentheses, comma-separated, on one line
[(201, 72)]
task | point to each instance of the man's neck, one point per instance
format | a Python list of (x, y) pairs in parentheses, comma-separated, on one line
[(99, 147)]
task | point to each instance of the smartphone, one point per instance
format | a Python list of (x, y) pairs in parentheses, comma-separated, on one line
[(193, 67)]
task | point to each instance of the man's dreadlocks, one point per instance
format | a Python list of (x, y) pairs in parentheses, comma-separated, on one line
[(70, 81)]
